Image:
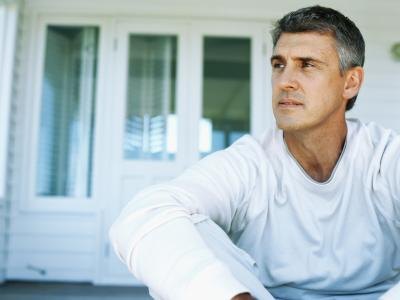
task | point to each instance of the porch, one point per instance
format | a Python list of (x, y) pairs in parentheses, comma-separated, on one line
[(21, 290)]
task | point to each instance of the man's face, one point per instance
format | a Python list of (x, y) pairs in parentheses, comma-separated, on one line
[(307, 87)]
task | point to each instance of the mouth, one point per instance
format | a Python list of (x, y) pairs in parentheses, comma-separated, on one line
[(289, 103)]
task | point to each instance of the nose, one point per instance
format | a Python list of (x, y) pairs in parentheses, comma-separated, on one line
[(287, 79)]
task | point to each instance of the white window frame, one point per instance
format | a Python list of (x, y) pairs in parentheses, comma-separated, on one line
[(8, 33), (29, 201)]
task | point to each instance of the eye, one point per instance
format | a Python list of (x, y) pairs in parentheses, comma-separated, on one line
[(277, 65), (307, 64)]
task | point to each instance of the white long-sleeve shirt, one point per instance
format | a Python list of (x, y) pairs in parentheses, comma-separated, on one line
[(309, 239)]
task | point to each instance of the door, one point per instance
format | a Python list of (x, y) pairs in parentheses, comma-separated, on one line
[(180, 92), (148, 139)]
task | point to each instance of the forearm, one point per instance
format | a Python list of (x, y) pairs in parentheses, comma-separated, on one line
[(169, 256)]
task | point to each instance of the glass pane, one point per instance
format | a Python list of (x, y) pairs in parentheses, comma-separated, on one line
[(151, 122), (64, 163), (226, 92)]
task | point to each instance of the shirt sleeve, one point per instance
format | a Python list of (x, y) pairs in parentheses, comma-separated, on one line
[(390, 169), (156, 238)]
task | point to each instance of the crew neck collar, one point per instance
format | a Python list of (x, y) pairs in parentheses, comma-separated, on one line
[(299, 170)]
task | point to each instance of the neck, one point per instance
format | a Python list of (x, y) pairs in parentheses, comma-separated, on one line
[(318, 150)]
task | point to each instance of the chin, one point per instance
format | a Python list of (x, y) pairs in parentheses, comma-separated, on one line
[(289, 125)]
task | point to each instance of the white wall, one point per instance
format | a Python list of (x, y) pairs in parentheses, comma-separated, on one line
[(379, 99), (64, 245)]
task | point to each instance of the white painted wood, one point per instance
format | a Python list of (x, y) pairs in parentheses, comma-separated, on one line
[(53, 224), (47, 260), (8, 30), (221, 9), (62, 245), (52, 244)]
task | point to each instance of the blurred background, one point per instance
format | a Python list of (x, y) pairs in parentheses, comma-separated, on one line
[(101, 98)]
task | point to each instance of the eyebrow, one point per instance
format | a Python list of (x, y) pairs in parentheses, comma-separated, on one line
[(299, 58)]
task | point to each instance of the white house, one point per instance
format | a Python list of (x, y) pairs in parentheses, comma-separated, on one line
[(100, 98)]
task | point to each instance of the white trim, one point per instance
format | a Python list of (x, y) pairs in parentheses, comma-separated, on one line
[(8, 31), (253, 10)]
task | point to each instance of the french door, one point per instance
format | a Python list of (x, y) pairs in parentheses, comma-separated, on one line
[(180, 91)]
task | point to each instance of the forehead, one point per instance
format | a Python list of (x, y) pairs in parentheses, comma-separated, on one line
[(310, 44)]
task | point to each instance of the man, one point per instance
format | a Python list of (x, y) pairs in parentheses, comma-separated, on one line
[(313, 206)]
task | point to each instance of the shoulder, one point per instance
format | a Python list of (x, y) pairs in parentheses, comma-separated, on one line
[(246, 157), (373, 136), (379, 146)]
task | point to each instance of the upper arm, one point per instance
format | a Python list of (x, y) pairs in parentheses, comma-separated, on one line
[(217, 185)]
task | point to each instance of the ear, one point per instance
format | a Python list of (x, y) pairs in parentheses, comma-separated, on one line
[(354, 79)]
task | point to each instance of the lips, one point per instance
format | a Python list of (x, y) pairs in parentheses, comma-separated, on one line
[(289, 102)]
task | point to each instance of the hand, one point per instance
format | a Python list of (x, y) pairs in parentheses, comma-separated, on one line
[(242, 296)]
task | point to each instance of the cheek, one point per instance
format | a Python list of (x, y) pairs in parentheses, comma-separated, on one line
[(322, 92), (274, 84)]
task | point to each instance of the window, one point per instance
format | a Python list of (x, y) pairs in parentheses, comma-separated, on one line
[(65, 149), (151, 123), (226, 92)]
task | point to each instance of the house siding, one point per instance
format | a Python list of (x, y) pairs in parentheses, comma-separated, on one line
[(379, 99)]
